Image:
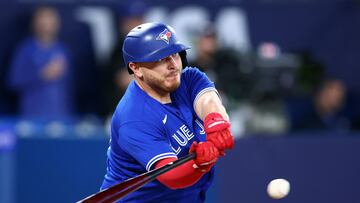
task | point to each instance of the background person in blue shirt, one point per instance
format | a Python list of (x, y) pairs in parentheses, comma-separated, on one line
[(160, 118), (329, 109), (40, 72)]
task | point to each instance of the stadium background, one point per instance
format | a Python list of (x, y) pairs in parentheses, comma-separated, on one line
[(56, 162)]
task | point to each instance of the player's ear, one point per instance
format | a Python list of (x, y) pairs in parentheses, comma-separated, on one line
[(135, 68)]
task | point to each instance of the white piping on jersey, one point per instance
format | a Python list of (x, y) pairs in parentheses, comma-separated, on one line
[(158, 157), (202, 92)]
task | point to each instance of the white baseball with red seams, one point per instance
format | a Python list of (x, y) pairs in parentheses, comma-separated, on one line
[(278, 188)]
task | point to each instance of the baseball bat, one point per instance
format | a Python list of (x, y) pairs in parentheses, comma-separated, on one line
[(118, 191)]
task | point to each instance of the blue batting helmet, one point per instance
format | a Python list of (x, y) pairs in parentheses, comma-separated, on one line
[(151, 42)]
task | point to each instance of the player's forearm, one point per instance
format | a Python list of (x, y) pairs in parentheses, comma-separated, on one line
[(209, 102), (180, 177)]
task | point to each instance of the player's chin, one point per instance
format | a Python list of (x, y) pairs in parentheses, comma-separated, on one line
[(172, 86)]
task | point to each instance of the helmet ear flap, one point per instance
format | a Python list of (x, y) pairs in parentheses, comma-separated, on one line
[(183, 58)]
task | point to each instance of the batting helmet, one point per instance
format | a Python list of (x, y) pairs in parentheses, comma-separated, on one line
[(151, 42)]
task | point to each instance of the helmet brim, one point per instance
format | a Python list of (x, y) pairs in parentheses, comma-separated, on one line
[(160, 54)]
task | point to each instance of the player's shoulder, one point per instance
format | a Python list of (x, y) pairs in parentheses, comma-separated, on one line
[(135, 106), (191, 70), (131, 103)]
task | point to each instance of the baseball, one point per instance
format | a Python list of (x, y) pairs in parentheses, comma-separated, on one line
[(278, 188)]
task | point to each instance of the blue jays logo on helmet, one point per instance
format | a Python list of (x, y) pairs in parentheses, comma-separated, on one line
[(165, 36)]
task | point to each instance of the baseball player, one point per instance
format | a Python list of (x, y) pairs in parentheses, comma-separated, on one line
[(168, 111)]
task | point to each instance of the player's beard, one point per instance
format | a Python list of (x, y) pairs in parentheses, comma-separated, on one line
[(164, 84)]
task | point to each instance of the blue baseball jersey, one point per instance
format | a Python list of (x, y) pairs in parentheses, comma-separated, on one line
[(144, 131)]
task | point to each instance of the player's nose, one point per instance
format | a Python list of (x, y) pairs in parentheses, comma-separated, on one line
[(172, 64)]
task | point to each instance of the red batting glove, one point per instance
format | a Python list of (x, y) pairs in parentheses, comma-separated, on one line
[(206, 155), (217, 131)]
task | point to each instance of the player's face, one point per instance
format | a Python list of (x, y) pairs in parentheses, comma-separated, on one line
[(164, 75)]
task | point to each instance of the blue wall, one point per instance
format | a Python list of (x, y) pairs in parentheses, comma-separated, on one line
[(59, 170), (321, 169), (7, 177)]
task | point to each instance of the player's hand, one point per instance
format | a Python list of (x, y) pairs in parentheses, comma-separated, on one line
[(217, 131), (206, 155)]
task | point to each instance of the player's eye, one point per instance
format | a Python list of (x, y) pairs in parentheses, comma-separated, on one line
[(175, 55), (169, 57)]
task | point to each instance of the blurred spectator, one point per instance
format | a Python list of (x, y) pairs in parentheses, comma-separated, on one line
[(309, 73), (40, 70), (327, 111), (221, 65), (116, 77), (207, 46)]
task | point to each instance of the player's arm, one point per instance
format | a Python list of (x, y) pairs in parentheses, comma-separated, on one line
[(190, 172), (209, 102), (209, 108)]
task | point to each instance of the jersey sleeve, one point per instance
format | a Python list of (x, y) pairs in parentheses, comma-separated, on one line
[(145, 142), (197, 83)]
